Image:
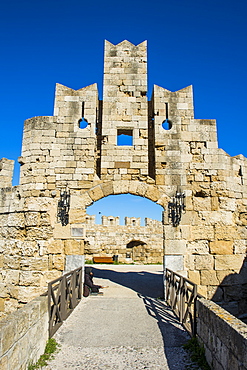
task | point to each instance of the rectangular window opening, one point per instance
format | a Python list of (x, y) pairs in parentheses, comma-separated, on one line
[(124, 137)]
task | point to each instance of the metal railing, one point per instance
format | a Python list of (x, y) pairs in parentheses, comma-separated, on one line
[(181, 295), (64, 294)]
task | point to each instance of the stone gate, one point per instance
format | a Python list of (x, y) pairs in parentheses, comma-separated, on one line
[(76, 157)]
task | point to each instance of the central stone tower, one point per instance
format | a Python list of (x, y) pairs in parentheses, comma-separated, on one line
[(124, 148)]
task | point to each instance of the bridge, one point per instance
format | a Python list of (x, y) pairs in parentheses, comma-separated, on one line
[(126, 328), (129, 327)]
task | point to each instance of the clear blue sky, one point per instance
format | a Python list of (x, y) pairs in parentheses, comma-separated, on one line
[(198, 42)]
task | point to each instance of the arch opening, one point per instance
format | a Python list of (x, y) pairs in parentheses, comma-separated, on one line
[(127, 226)]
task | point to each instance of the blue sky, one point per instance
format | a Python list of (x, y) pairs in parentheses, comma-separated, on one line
[(198, 42)]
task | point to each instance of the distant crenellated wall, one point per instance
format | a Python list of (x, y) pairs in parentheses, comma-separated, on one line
[(130, 242)]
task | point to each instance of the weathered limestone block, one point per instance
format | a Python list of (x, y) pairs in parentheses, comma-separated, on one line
[(221, 247), (27, 293), (74, 247), (202, 232), (202, 289), (56, 247), (42, 232), (61, 232), (202, 204), (12, 277), (29, 278), (226, 232), (121, 187), (77, 215), (194, 276), (243, 218), (214, 203), (141, 189), (229, 204), (153, 194), (228, 277), (175, 247), (175, 263), (11, 262), (96, 193), (32, 218), (28, 248), (34, 263), (240, 247), (80, 201), (198, 247), (209, 277), (58, 262), (233, 262), (217, 218), (16, 219), (204, 262)]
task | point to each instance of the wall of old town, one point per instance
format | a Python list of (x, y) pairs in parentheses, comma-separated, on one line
[(130, 242)]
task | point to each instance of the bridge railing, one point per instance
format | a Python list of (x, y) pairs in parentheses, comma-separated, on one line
[(64, 294), (181, 295)]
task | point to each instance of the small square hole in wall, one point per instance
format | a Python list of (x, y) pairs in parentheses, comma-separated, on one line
[(124, 137)]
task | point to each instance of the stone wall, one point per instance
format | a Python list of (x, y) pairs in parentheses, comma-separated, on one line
[(23, 335), (6, 172), (130, 242), (77, 151), (223, 336), (31, 253)]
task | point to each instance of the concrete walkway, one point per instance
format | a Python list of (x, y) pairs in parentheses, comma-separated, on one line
[(127, 328)]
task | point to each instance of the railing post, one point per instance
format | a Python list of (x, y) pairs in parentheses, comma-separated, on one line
[(63, 297), (49, 309), (172, 289), (194, 329), (182, 299), (73, 289)]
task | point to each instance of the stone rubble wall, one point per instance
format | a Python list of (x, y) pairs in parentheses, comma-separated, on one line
[(130, 242), (23, 335), (223, 336)]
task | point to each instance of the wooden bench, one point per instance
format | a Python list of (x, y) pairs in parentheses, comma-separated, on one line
[(103, 260)]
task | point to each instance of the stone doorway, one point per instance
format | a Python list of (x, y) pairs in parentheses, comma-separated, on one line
[(137, 251)]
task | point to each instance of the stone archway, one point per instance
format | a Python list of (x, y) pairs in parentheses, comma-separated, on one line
[(80, 202), (137, 251), (152, 192)]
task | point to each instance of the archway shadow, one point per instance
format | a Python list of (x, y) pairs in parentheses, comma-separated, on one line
[(149, 288), (142, 282)]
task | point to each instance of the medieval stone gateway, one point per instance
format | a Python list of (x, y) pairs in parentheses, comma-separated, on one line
[(75, 157)]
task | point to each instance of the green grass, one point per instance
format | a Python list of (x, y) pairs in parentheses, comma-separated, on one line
[(51, 347), (89, 262), (197, 353)]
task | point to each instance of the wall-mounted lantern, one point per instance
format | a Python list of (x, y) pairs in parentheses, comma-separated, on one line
[(63, 207), (175, 208)]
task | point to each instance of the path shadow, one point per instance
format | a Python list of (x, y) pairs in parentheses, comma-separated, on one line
[(142, 282), (172, 334), (149, 288)]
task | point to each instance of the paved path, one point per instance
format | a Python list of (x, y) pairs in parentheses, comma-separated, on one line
[(127, 328)]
